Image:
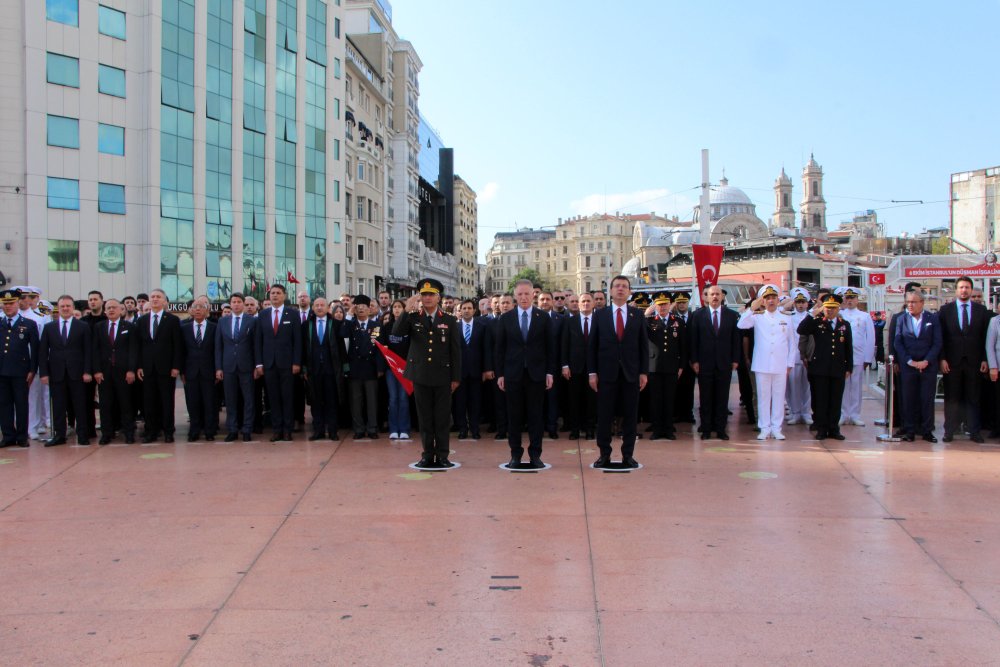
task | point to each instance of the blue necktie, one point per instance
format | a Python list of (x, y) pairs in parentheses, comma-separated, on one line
[(236, 328), (468, 333), (320, 331), (524, 325)]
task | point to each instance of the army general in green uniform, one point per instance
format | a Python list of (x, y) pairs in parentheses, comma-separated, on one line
[(433, 364)]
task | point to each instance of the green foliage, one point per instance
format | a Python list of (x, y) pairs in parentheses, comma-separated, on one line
[(526, 274)]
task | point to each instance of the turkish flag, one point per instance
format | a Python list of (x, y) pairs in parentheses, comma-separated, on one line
[(876, 279), (396, 365), (707, 262)]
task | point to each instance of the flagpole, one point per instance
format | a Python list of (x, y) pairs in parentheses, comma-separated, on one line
[(705, 222)]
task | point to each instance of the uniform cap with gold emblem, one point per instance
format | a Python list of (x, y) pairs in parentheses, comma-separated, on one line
[(767, 290), (799, 294), (681, 297), (833, 301), (10, 295), (45, 307), (661, 298), (30, 290), (845, 292), (431, 286), (640, 300)]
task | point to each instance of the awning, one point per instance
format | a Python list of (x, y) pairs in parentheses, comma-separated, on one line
[(349, 117)]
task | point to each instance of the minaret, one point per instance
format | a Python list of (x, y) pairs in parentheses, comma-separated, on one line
[(813, 205), (784, 214)]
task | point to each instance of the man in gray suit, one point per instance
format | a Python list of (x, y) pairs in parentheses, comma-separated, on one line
[(234, 361)]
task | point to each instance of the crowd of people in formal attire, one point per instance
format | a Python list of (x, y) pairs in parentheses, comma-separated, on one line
[(527, 366)]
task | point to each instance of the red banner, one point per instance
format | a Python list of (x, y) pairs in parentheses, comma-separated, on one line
[(876, 279), (396, 365), (707, 262), (978, 271)]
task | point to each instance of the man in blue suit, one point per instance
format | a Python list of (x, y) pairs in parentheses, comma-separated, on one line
[(198, 371), (917, 345), (714, 342), (234, 366), (278, 339), (18, 363), (618, 363), (64, 353)]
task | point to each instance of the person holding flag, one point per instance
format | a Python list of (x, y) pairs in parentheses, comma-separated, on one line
[(434, 365), (395, 349)]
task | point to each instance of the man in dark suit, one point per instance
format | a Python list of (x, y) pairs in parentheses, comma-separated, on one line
[(714, 342), (581, 409), (64, 364), (116, 354), (304, 303), (234, 366), (18, 364), (321, 356), (525, 359), (917, 346), (666, 340), (963, 360), (279, 359), (94, 316), (547, 304), (434, 365), (198, 371), (365, 366), (504, 304), (467, 399), (684, 399), (161, 352), (618, 367)]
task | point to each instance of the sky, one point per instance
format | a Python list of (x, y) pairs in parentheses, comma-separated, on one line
[(556, 108)]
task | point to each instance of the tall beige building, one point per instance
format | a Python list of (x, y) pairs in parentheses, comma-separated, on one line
[(974, 207), (466, 242)]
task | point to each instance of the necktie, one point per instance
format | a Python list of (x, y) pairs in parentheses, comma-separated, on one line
[(524, 325), (197, 336), (319, 330), (236, 328), (468, 333), (965, 316), (156, 324), (715, 321), (276, 323), (619, 324), (303, 316), (111, 334), (65, 334), (586, 328)]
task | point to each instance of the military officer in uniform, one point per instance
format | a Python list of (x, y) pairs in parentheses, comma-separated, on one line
[(776, 346), (797, 393), (684, 401), (18, 364), (38, 393), (830, 365), (434, 365), (669, 357), (863, 333)]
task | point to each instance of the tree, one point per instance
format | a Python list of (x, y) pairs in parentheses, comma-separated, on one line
[(940, 246), (526, 274)]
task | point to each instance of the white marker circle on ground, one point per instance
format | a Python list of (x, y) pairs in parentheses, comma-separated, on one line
[(506, 466), (758, 475), (614, 467), (454, 464)]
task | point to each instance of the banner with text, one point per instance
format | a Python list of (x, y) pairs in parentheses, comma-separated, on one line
[(978, 271)]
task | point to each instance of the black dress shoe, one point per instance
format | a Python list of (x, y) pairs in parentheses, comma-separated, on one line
[(590, 435), (445, 463), (231, 437), (193, 437), (315, 436), (334, 436), (553, 435), (723, 435), (277, 436), (929, 437), (358, 435), (168, 439), (476, 436), (148, 439), (83, 442), (501, 435), (948, 437), (603, 462), (574, 435), (670, 436), (54, 442), (372, 435), (129, 439), (209, 437), (909, 437), (514, 463), (20, 443), (246, 437), (425, 463), (977, 438), (6, 444), (535, 464), (105, 440), (629, 463), (462, 435), (837, 435)]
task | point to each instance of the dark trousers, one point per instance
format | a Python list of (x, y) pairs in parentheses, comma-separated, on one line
[(897, 406), (713, 390), (434, 413), (745, 380), (617, 397), (14, 408), (324, 403), (199, 393), (500, 409), (68, 392), (239, 390), (917, 392), (158, 404), (90, 397), (279, 391), (363, 405), (961, 397), (488, 404), (662, 388), (684, 401), (827, 394), (525, 401), (117, 410), (299, 399), (581, 411), (467, 404)]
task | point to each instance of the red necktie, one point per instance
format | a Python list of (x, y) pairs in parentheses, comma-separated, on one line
[(275, 323), (619, 325), (111, 334), (586, 328)]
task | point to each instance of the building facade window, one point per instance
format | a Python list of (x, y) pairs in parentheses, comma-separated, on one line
[(64, 255), (63, 193), (111, 198), (315, 149), (63, 11), (111, 257), (111, 22), (254, 129), (110, 139), (63, 132), (285, 139), (111, 80), (62, 70), (218, 147)]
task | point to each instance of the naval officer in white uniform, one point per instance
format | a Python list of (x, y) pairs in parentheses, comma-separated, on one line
[(863, 332), (797, 393)]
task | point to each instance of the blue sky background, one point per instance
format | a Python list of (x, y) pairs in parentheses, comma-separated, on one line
[(563, 108)]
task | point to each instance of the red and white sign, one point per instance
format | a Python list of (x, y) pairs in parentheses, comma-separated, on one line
[(876, 279), (707, 263), (978, 271)]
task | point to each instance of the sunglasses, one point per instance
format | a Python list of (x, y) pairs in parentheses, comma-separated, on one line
[(560, 298)]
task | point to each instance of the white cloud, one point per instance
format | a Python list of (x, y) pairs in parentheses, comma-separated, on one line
[(661, 200), (488, 193)]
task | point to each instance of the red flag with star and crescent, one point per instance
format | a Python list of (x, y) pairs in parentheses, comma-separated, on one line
[(707, 263), (396, 365)]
